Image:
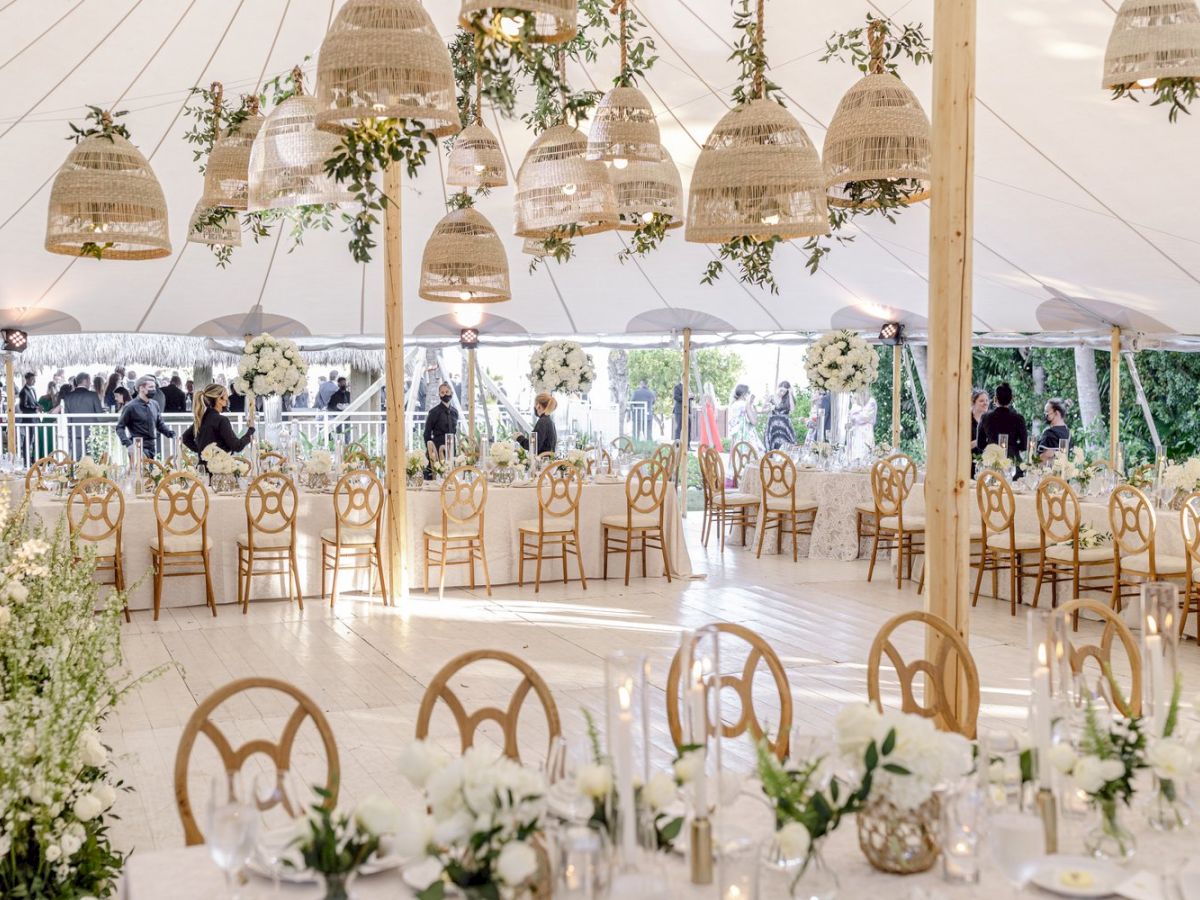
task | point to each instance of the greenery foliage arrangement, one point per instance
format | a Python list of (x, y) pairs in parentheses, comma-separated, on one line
[(1177, 94)]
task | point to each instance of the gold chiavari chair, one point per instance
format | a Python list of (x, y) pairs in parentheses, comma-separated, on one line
[(507, 718), (559, 489), (182, 546), (748, 719), (1079, 654), (605, 467), (1135, 556), (778, 507), (234, 758), (725, 509), (45, 473), (464, 499), (270, 537), (892, 480), (1003, 546), (664, 455), (1062, 559), (271, 461), (357, 533), (935, 703), (1189, 527), (641, 527), (96, 516), (742, 455), (623, 446)]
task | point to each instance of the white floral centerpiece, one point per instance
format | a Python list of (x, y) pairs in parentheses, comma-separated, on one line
[(994, 457), (1182, 478), (317, 468), (219, 462), (482, 833), (578, 458), (1089, 538), (88, 468), (841, 361), (59, 655), (270, 366), (1074, 465), (561, 367), (506, 458)]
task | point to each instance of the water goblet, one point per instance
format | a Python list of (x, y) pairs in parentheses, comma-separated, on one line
[(1017, 845), (232, 828)]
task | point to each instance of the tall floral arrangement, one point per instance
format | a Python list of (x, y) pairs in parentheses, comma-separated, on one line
[(270, 366), (561, 367), (58, 659), (841, 361)]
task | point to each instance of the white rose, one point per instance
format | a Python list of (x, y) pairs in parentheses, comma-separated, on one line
[(1062, 757), (857, 725), (377, 815), (1170, 759), (87, 808), (660, 791), (595, 781), (689, 766), (419, 759), (53, 852), (1087, 774), (16, 592), (70, 845), (5, 616), (793, 840), (91, 751), (104, 793), (454, 830), (414, 833), (517, 863)]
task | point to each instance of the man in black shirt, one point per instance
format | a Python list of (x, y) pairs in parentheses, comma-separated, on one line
[(1003, 421), (643, 425), (27, 406), (176, 399), (141, 418), (677, 411), (83, 406), (338, 401), (442, 420)]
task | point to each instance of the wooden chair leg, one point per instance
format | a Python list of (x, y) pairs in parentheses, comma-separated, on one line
[(158, 584), (983, 562), (208, 588), (444, 551), (874, 555), (604, 544), (1037, 592), (383, 585), (764, 522), (628, 554), (427, 564), (296, 576), (324, 566), (337, 567), (537, 574), (246, 590), (662, 542), (578, 560)]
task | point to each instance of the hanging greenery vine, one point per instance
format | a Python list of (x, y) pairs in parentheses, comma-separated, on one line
[(1177, 94), (875, 48), (102, 124)]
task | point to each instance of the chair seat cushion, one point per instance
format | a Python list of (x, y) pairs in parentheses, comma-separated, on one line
[(350, 535), (1139, 564), (105, 547), (453, 530), (1066, 553), (267, 541), (639, 520), (911, 523), (867, 509), (735, 498), (783, 504), (181, 543), (551, 525), (1021, 540)]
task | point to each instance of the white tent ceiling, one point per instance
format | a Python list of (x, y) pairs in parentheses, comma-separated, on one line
[(1078, 198)]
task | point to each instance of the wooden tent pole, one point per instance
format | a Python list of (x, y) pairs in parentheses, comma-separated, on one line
[(1114, 398), (471, 394), (682, 476), (897, 378), (397, 502), (10, 390), (948, 522)]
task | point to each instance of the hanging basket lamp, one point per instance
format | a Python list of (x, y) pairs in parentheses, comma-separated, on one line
[(464, 261), (646, 188), (533, 247), (624, 129), (105, 195), (225, 233), (227, 176), (559, 188), (1153, 39), (549, 21), (476, 159), (383, 59), (287, 160)]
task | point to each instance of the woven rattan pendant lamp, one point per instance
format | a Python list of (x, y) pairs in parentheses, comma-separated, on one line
[(476, 160), (1153, 39), (106, 198), (879, 133), (227, 176), (383, 59), (287, 160), (624, 128), (226, 232), (541, 21), (464, 261), (758, 175), (646, 188)]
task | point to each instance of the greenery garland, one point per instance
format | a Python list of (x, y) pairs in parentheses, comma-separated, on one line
[(1176, 94)]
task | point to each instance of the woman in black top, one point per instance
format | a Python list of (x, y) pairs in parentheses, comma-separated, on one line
[(1057, 435), (780, 433), (547, 435), (209, 426)]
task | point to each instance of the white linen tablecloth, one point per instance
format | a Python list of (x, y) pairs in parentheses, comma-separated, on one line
[(506, 506), (836, 495)]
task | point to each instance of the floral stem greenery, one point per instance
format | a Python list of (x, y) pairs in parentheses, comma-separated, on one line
[(559, 245), (1177, 94), (103, 124), (208, 108), (749, 53), (900, 41), (753, 257), (648, 236)]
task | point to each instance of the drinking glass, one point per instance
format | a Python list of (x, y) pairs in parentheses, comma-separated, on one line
[(1000, 767), (964, 819), (562, 771), (232, 828), (1017, 842), (582, 865), (280, 799)]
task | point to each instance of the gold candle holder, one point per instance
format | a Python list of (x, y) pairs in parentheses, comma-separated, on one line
[(701, 849), (1048, 809)]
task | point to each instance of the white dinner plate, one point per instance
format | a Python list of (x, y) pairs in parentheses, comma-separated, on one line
[(288, 875), (1078, 876)]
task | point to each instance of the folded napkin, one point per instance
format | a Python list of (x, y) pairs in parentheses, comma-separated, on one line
[(1143, 886)]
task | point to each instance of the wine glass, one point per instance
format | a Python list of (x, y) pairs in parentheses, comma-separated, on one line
[(1017, 841), (582, 863), (281, 800), (1000, 766), (562, 769), (232, 827)]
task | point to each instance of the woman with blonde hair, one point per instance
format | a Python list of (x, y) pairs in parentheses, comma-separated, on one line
[(209, 426), (544, 405)]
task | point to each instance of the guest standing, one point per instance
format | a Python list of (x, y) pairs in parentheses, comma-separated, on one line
[(643, 426), (979, 407), (743, 418), (114, 382), (544, 405), (209, 426), (710, 435), (327, 389), (1057, 435), (780, 432), (1003, 421), (237, 402), (442, 420), (677, 410), (142, 418), (176, 399), (860, 437), (84, 405)]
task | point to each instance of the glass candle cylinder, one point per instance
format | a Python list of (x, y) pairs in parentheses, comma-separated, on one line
[(963, 815), (1041, 659), (1160, 640)]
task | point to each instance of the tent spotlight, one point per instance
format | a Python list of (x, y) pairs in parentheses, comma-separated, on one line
[(891, 333), (15, 340), (468, 338)]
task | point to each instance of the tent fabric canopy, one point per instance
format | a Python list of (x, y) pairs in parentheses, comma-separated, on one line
[(1077, 196)]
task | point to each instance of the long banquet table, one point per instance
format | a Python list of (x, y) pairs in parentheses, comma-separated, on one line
[(836, 495), (506, 506)]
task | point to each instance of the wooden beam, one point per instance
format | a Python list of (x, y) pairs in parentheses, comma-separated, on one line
[(682, 475), (393, 329), (471, 394), (897, 377), (948, 521), (1114, 398), (11, 390)]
